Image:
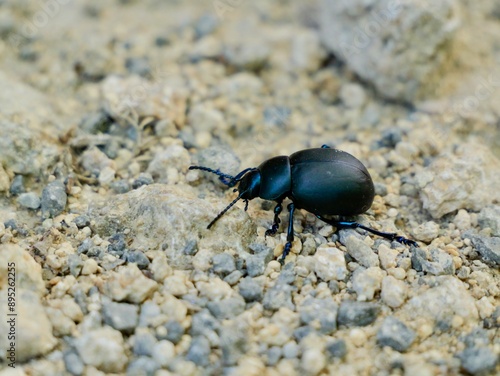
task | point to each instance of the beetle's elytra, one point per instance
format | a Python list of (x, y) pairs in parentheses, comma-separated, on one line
[(323, 181)]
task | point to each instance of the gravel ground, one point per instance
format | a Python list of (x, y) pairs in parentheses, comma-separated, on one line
[(105, 104)]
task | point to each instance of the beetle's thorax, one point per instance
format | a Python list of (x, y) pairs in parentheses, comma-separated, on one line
[(276, 178)]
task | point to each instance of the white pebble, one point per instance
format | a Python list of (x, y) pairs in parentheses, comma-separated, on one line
[(394, 291), (313, 361), (330, 264)]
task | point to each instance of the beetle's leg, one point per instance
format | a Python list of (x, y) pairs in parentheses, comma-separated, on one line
[(325, 146), (289, 235), (276, 223), (387, 235)]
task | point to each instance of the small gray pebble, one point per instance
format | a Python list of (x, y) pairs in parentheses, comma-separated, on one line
[(85, 245), (358, 249), (233, 278), (17, 185), (287, 275), (336, 348), (75, 264), (144, 178), (380, 189), (195, 300), (138, 65), (188, 138), (490, 217), (223, 264), (120, 186), (175, 331), (353, 313), (190, 248), (117, 245), (478, 360), (142, 366), (291, 350), (302, 332), (233, 342), (143, 344), (203, 321), (53, 199), (81, 299), (29, 200), (95, 122), (487, 247), (323, 310), (149, 311), (226, 308), (112, 148), (205, 25), (395, 334), (137, 257), (199, 351), (82, 221), (273, 355), (408, 189), (29, 54), (477, 337), (280, 295), (441, 263), (161, 41), (10, 224), (120, 316), (73, 364), (263, 250), (277, 116), (255, 265), (390, 138), (494, 320), (334, 287), (95, 252), (251, 290)]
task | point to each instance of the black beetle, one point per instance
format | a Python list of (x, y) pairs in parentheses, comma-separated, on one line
[(323, 181)]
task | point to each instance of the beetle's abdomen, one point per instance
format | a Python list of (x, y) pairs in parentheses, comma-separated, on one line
[(330, 182)]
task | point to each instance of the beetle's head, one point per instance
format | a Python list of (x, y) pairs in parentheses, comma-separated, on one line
[(250, 185), (248, 188)]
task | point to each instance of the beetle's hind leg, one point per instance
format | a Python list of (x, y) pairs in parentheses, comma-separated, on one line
[(387, 235), (276, 223), (289, 235)]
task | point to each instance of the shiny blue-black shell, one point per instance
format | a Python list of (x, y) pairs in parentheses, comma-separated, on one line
[(322, 181)]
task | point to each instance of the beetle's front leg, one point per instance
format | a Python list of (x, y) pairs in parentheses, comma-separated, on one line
[(276, 223), (289, 235)]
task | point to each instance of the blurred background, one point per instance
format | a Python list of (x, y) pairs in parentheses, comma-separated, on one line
[(101, 98)]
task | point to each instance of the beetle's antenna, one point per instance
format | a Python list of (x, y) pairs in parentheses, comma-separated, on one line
[(226, 209), (216, 172), (227, 179)]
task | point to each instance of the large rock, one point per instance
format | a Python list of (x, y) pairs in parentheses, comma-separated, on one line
[(465, 179), (28, 271), (32, 327), (447, 297), (29, 128), (397, 46), (170, 217)]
